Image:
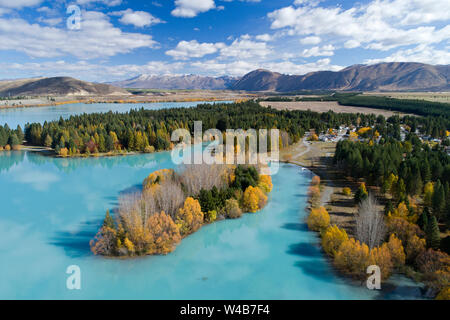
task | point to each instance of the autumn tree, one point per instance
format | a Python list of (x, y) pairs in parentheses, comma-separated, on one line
[(318, 219), (361, 194), (189, 218), (332, 239)]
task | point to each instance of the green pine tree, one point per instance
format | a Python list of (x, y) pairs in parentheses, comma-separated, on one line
[(438, 200), (423, 219), (432, 234)]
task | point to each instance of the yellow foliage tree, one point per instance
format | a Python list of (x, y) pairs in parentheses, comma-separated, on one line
[(353, 258), (265, 183), (164, 233), (381, 257), (428, 192), (347, 191), (129, 245), (402, 211), (396, 250), (318, 219), (332, 239), (314, 137), (190, 217), (254, 199)]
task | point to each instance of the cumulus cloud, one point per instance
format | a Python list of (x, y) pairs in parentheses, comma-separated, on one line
[(96, 38), (110, 3), (244, 48), (138, 19), (17, 4), (193, 49), (310, 40), (327, 50), (420, 53), (240, 67), (191, 8), (87, 71), (379, 25)]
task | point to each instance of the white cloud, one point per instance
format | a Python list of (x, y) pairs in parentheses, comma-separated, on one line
[(240, 68), (380, 24), (420, 53), (87, 71), (17, 4), (310, 40), (137, 18), (97, 38), (244, 48), (193, 49), (110, 3), (191, 8), (327, 50), (264, 37)]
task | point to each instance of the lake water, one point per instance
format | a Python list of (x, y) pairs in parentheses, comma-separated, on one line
[(22, 116), (51, 208)]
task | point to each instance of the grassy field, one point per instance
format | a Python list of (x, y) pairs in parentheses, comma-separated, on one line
[(320, 106), (428, 96)]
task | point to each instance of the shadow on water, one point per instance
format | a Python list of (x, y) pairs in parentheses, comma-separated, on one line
[(316, 268), (295, 226), (76, 244), (304, 249)]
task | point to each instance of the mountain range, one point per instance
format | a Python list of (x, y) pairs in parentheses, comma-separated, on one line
[(395, 76), (57, 86), (398, 76), (183, 82)]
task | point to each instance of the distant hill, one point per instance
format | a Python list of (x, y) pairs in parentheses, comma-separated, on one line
[(405, 76), (57, 86), (184, 82)]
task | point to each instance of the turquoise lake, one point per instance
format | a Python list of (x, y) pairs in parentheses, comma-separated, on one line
[(51, 208), (22, 116)]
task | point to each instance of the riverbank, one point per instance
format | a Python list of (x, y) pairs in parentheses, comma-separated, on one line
[(147, 98)]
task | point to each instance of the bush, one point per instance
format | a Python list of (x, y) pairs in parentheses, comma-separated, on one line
[(315, 181), (318, 219), (232, 209), (211, 216), (347, 191), (332, 239)]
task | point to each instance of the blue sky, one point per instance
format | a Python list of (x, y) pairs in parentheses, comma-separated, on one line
[(119, 39)]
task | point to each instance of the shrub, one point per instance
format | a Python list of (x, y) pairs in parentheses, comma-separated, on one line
[(332, 239), (232, 209), (318, 219), (414, 247), (347, 191), (63, 152), (444, 294), (431, 261), (315, 181), (211, 216)]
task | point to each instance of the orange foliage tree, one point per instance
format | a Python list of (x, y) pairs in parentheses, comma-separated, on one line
[(332, 239)]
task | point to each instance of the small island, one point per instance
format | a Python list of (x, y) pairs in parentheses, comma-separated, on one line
[(173, 205)]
